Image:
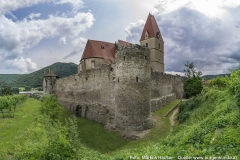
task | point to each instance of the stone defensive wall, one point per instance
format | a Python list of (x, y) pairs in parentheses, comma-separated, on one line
[(165, 88), (88, 94)]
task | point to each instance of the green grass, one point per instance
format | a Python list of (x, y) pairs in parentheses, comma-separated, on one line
[(94, 136), (13, 129)]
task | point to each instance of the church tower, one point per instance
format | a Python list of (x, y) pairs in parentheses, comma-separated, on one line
[(152, 38)]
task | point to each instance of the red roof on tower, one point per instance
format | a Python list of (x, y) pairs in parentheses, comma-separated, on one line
[(152, 28)]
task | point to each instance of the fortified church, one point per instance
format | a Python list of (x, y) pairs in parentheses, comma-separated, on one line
[(119, 84)]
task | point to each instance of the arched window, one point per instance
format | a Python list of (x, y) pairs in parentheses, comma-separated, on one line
[(146, 35)]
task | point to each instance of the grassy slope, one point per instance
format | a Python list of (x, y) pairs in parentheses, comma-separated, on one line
[(94, 136), (213, 129), (13, 129)]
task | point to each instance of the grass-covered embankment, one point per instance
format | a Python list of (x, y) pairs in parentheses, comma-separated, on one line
[(210, 127)]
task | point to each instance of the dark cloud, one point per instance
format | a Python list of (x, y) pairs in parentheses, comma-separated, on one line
[(73, 53), (213, 44)]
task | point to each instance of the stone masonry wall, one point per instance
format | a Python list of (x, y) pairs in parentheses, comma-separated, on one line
[(165, 88), (89, 94)]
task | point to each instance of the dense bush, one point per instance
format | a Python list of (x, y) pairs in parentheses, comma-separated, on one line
[(50, 107), (219, 82), (51, 140), (192, 86), (234, 84)]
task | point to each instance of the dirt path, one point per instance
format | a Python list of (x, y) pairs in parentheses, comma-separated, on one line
[(171, 118)]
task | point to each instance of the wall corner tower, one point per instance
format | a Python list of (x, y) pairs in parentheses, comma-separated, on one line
[(49, 81), (152, 38), (132, 90)]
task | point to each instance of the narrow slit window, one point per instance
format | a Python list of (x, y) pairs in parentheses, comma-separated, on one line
[(146, 57), (86, 78), (159, 46), (118, 80), (146, 44), (136, 79), (124, 58)]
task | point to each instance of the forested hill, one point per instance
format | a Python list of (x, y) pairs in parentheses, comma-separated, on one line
[(214, 76), (35, 79), (9, 78)]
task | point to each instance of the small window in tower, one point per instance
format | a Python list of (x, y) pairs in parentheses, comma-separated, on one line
[(159, 46), (124, 58), (146, 44), (86, 78), (118, 80), (102, 47), (136, 79), (146, 57), (111, 69), (146, 35)]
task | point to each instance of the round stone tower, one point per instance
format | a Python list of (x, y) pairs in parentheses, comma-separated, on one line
[(132, 90)]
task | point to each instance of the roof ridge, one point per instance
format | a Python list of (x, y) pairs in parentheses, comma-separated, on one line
[(99, 41)]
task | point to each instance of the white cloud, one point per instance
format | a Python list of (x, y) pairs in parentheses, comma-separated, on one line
[(17, 37), (34, 15), (63, 40), (23, 65), (78, 44), (134, 31), (21, 35), (11, 5), (76, 4)]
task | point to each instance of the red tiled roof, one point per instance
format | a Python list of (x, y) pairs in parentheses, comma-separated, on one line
[(123, 43), (100, 49), (152, 28)]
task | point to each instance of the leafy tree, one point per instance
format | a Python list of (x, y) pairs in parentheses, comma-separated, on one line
[(190, 72), (15, 90), (6, 90), (27, 88), (193, 83)]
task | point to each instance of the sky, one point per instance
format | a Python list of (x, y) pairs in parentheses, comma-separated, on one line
[(38, 33)]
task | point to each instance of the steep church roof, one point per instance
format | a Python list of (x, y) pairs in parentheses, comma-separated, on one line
[(100, 49), (152, 28)]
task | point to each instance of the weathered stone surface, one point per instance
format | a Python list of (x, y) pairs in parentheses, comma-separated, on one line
[(122, 95)]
